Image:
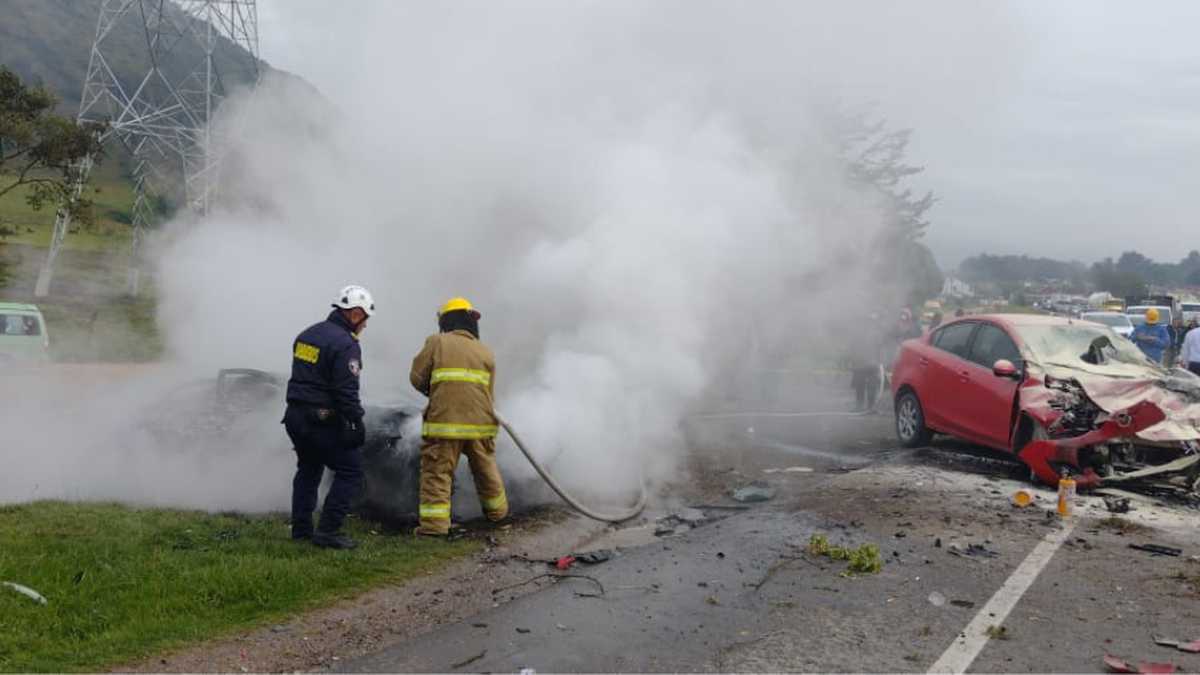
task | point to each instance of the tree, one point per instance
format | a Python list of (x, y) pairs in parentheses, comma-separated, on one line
[(875, 158), (1121, 281), (40, 150)]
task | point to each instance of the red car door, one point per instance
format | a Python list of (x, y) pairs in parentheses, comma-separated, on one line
[(985, 410), (944, 383)]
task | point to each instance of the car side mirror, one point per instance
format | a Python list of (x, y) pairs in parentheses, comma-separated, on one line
[(1005, 368)]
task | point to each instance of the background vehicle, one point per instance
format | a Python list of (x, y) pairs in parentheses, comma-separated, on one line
[(1161, 300), (1137, 314), (1190, 310), (23, 335), (1115, 305), (1059, 393), (1117, 321)]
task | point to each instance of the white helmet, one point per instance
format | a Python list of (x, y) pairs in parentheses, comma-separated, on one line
[(355, 296)]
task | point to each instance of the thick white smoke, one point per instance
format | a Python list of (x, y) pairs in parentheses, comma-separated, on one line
[(629, 191)]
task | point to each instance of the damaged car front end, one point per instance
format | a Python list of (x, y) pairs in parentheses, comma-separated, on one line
[(1105, 413)]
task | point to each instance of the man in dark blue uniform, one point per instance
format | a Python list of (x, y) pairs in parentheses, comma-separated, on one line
[(324, 417)]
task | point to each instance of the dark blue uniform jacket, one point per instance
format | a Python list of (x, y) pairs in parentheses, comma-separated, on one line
[(326, 363)]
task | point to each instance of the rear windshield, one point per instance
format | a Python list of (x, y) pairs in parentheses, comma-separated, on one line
[(19, 324), (1190, 307)]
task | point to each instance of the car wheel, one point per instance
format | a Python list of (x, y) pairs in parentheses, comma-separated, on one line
[(910, 421)]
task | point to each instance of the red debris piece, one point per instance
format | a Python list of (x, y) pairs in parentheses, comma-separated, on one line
[(565, 562), (1116, 665), (1153, 667), (1192, 647)]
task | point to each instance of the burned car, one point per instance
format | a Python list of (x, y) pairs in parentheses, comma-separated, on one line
[(242, 407), (1062, 395)]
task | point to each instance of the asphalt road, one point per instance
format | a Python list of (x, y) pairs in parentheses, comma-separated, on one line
[(740, 593)]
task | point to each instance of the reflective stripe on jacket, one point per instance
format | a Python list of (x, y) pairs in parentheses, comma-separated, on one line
[(457, 372)]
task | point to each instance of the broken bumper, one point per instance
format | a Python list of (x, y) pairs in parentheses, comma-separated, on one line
[(1038, 455)]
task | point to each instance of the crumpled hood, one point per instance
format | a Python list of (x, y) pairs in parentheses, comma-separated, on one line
[(1118, 386)]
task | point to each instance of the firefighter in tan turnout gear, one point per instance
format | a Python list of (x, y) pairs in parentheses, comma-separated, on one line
[(457, 372)]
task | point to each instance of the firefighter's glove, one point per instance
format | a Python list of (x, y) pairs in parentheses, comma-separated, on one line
[(355, 433)]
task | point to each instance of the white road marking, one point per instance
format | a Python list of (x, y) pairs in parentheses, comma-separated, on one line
[(966, 647)]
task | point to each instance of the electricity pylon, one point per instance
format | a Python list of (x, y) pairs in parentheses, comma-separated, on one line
[(164, 119)]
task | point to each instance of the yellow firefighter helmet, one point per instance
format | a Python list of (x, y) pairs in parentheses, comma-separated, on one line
[(454, 304)]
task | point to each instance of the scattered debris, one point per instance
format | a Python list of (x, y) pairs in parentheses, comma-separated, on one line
[(479, 624), (1122, 526), (757, 491), (1117, 504), (679, 522), (1192, 647), (25, 591), (1116, 665), (567, 561), (863, 560), (1081, 542), (668, 530), (1022, 498), (1165, 641), (1157, 549), (712, 600), (548, 575), (523, 631), (937, 599), (997, 633), (966, 604), (790, 469), (594, 557), (972, 550), (470, 660)]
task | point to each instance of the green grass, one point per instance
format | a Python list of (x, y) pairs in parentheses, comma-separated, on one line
[(116, 330), (125, 583), (112, 194), (88, 315)]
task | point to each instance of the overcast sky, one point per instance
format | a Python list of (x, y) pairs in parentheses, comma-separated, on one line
[(1063, 129)]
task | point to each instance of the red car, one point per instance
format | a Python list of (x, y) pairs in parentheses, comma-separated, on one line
[(1062, 394)]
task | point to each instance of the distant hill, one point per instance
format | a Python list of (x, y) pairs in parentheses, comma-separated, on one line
[(49, 42)]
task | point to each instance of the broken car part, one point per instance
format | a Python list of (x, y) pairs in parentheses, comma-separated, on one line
[(25, 591), (1156, 549), (1116, 665)]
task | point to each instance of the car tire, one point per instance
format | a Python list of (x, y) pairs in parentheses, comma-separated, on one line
[(910, 421)]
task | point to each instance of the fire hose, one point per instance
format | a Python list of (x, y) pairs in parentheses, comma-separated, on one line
[(631, 512)]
